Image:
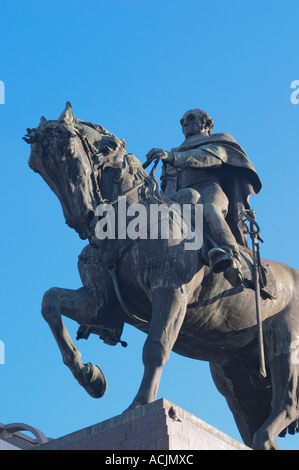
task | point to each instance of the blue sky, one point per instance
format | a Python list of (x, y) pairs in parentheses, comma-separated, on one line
[(134, 67)]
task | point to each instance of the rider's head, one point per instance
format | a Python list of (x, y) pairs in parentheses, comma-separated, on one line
[(195, 122)]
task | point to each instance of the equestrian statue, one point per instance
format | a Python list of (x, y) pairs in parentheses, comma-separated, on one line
[(219, 303)]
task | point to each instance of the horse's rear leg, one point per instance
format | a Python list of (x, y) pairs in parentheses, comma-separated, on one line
[(284, 405), (250, 406), (168, 313), (283, 363), (80, 305)]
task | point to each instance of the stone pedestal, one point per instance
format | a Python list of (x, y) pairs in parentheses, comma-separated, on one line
[(147, 428)]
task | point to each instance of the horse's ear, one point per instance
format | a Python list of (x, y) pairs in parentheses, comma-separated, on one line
[(67, 115), (42, 120)]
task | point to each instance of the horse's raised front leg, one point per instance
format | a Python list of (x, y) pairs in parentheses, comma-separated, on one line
[(82, 306), (168, 313)]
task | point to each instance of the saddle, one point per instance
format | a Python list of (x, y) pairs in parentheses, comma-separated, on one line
[(267, 281), (107, 255)]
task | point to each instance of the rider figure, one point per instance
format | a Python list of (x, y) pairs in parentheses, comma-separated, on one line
[(219, 169)]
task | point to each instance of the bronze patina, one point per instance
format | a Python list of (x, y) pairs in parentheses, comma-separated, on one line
[(174, 295)]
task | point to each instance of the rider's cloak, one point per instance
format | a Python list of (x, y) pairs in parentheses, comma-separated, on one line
[(216, 151)]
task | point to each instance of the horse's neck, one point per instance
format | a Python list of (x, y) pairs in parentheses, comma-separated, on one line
[(118, 181)]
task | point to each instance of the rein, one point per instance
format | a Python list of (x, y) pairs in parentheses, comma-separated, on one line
[(89, 152), (113, 269)]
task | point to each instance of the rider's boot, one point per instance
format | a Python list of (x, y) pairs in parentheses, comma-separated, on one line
[(234, 273), (226, 259)]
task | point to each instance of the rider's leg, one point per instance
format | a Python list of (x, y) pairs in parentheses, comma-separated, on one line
[(224, 257)]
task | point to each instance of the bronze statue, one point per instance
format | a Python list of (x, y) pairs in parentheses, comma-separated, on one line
[(219, 169), (164, 290)]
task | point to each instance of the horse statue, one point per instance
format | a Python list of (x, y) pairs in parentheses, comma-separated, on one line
[(163, 289)]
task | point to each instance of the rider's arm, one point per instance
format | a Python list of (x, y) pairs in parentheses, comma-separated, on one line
[(202, 157)]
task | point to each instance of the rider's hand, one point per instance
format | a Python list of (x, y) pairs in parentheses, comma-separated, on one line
[(159, 154)]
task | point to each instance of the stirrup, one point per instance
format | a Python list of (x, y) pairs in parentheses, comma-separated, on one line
[(220, 260), (234, 273)]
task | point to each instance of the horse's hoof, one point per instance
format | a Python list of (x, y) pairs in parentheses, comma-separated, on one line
[(93, 380), (134, 405)]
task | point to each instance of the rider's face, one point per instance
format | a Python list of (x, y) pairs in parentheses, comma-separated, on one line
[(192, 124)]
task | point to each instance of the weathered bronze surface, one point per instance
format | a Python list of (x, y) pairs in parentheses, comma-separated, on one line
[(168, 292)]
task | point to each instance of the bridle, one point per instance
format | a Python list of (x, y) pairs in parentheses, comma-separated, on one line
[(90, 152)]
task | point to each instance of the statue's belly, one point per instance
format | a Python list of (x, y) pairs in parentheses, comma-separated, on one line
[(223, 322)]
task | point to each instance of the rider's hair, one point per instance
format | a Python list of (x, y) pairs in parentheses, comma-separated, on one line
[(207, 121)]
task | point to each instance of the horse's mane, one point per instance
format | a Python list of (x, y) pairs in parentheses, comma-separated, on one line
[(96, 127), (110, 152), (154, 193)]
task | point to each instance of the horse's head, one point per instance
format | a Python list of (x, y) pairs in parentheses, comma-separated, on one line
[(66, 153)]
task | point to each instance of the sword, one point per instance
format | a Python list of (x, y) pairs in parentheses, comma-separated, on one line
[(254, 232)]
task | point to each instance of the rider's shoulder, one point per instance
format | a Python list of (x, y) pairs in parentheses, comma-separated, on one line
[(223, 136)]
